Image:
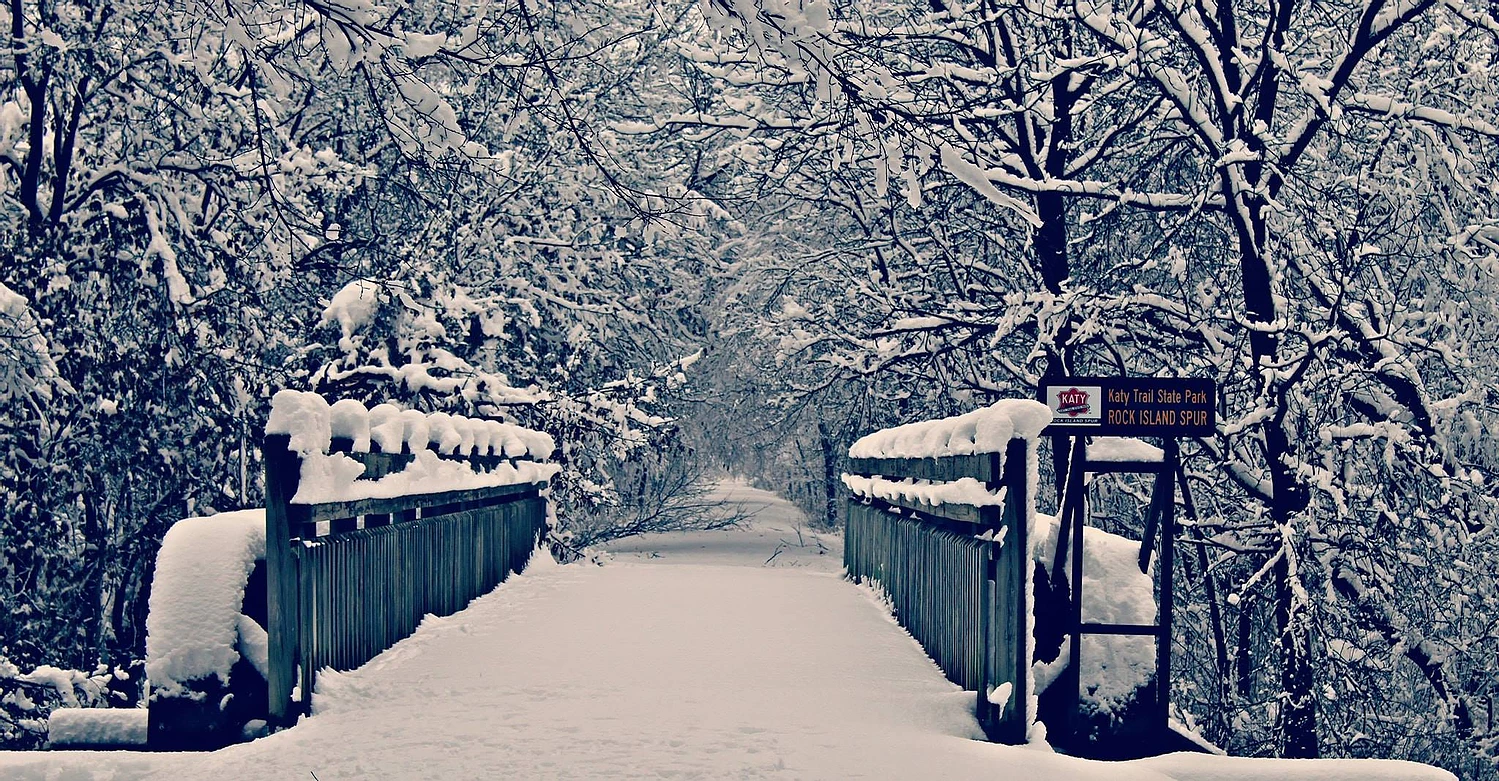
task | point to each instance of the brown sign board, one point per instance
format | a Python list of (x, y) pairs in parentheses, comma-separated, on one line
[(1130, 406)]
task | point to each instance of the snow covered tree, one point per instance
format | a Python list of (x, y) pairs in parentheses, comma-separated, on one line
[(181, 194)]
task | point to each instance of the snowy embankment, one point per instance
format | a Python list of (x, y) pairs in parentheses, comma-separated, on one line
[(684, 655), (1115, 591)]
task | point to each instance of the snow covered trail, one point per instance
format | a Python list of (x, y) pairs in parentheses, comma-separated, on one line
[(685, 656), (776, 535)]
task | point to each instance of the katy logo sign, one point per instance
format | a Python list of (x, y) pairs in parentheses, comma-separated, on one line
[(1130, 406), (1074, 405)]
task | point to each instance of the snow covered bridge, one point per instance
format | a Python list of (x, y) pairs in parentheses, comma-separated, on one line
[(736, 654), (740, 653)]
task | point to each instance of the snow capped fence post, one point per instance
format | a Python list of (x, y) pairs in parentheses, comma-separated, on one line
[(940, 516), (282, 472), (204, 638)]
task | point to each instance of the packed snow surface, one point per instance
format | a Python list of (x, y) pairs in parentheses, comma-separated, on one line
[(735, 654), (97, 727), (987, 430), (1124, 449), (192, 629)]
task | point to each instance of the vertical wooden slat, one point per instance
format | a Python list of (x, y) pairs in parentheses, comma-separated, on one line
[(307, 617), (341, 608), (365, 561), (333, 614), (388, 598), (325, 620)]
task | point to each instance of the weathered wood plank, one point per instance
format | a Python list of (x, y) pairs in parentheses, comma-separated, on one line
[(983, 467), (1105, 467), (1151, 630), (402, 506)]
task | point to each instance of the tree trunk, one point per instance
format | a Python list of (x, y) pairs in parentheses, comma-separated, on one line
[(1296, 726), (94, 565), (831, 469)]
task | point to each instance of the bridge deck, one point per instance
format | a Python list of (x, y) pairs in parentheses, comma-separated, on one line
[(683, 657)]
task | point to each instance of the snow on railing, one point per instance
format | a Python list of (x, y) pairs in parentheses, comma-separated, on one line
[(987, 430), (377, 517), (940, 518), (340, 443)]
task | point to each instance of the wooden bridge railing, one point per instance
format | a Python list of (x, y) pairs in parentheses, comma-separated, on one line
[(347, 579), (373, 519), (955, 570)]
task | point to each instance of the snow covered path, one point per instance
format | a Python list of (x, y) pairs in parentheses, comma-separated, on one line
[(685, 656)]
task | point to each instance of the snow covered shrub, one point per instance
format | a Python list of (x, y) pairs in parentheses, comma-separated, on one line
[(471, 347), (664, 488)]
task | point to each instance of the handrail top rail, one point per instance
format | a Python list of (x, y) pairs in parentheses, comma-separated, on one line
[(302, 513)]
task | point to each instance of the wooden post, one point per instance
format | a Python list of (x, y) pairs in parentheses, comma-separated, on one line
[(1017, 503), (282, 474), (1167, 486), (1077, 497)]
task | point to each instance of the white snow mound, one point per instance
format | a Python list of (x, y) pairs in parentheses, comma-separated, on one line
[(312, 423), (350, 420), (192, 628), (96, 727), (1115, 591), (305, 417)]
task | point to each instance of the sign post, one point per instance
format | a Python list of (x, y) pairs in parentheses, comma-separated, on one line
[(1166, 407)]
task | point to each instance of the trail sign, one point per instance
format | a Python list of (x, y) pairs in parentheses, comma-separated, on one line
[(1130, 406)]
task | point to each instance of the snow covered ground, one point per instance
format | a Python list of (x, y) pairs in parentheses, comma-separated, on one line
[(736, 654)]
